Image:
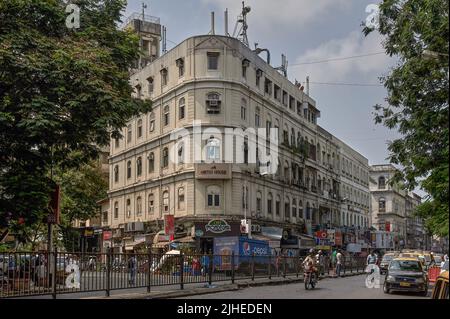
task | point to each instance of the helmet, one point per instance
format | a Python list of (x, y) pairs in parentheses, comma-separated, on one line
[(320, 251)]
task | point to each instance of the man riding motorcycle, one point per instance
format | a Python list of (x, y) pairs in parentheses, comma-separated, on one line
[(310, 263)]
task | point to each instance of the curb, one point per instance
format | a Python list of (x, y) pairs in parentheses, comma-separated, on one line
[(204, 291)]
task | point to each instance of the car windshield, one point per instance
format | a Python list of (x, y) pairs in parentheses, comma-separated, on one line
[(427, 258), (387, 257), (437, 259), (406, 265)]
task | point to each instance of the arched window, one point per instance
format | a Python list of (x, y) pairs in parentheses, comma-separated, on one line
[(213, 103), (151, 124), (139, 128), (308, 211), (166, 115), (129, 169), (269, 204), (213, 196), (180, 152), (151, 203), (292, 137), (258, 203), (243, 110), (116, 210), (300, 209), (381, 205), (139, 166), (246, 150), (129, 133), (287, 205), (294, 207), (165, 201), (257, 117), (128, 208), (278, 206), (116, 173), (181, 108), (318, 152), (139, 206), (381, 182), (181, 198), (151, 162), (213, 149), (165, 157)]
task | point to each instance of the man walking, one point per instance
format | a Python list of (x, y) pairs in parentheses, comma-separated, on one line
[(338, 263), (132, 267)]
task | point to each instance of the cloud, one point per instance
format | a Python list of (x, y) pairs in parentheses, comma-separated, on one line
[(354, 44), (267, 15)]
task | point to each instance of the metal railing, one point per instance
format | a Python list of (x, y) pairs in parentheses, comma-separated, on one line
[(31, 274)]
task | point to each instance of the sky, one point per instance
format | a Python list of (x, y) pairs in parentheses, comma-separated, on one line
[(305, 31)]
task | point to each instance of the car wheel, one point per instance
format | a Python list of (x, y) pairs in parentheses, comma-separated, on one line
[(386, 289)]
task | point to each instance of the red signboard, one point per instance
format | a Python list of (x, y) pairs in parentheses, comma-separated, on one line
[(338, 239), (321, 234), (53, 217), (169, 224), (388, 226), (107, 235)]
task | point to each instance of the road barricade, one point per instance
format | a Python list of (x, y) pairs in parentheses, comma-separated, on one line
[(433, 273)]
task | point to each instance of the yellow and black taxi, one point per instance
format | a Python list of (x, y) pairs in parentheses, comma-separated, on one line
[(440, 290), (406, 274)]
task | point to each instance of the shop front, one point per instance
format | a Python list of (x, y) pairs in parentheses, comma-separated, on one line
[(206, 231)]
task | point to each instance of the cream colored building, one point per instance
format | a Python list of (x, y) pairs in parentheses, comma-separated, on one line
[(224, 84)]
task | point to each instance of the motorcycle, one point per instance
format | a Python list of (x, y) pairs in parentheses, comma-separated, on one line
[(309, 277)]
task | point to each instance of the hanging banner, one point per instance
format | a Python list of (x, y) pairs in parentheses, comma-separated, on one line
[(169, 225), (338, 238), (53, 217)]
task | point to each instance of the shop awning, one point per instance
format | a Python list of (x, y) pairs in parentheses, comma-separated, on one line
[(161, 244), (187, 239)]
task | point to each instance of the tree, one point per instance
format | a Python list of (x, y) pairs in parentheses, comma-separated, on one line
[(418, 100), (62, 91)]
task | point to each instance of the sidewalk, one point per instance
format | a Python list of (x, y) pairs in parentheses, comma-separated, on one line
[(214, 288)]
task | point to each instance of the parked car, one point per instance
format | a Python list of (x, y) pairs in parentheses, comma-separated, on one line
[(406, 274)]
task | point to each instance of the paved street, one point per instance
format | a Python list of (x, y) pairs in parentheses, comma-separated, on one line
[(332, 288)]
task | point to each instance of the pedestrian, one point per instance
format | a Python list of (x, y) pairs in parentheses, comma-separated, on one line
[(371, 259), (132, 265), (338, 263), (205, 264), (319, 261)]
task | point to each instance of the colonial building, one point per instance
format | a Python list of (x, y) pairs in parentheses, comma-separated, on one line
[(393, 210), (157, 169)]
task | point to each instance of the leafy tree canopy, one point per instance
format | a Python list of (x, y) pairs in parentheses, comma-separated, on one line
[(417, 102), (62, 91)]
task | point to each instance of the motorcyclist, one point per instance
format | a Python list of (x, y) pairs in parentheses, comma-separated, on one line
[(310, 263)]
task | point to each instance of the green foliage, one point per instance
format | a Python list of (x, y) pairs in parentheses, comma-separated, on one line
[(62, 92), (418, 100)]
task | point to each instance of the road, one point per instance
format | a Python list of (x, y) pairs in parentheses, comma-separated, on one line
[(331, 288)]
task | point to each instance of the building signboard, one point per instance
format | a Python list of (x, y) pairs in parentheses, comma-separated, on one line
[(217, 228), (212, 171)]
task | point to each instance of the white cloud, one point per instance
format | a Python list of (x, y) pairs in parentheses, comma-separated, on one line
[(267, 15), (354, 44)]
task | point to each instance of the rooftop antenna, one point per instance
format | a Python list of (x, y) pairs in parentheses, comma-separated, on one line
[(242, 24), (226, 23), (144, 6), (284, 65), (213, 28)]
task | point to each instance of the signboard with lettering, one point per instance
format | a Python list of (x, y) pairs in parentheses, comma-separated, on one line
[(217, 228), (338, 238), (213, 171), (169, 225), (55, 210)]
